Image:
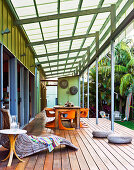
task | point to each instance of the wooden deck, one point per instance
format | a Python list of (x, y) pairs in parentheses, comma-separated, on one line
[(92, 154)]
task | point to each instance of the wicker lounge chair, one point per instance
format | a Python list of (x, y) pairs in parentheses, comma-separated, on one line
[(24, 145)]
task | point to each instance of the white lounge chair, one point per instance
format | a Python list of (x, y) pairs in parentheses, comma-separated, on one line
[(117, 116)]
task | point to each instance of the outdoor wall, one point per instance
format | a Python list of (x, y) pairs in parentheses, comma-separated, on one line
[(64, 95), (15, 41)]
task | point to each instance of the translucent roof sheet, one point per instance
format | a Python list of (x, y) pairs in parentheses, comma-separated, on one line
[(54, 36)]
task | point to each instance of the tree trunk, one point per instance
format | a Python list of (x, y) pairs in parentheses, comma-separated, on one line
[(120, 106)]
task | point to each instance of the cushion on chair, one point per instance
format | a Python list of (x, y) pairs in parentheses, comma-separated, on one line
[(101, 133), (119, 138)]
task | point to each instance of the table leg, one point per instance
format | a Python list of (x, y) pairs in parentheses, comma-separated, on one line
[(56, 119), (12, 150), (78, 119), (12, 143)]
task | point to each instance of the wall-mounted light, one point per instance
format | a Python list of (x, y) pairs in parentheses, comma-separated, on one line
[(22, 55), (6, 31)]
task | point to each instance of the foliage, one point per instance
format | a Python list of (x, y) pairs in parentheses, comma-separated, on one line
[(124, 74)]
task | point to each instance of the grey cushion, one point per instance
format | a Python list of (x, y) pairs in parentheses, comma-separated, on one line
[(119, 138), (101, 133)]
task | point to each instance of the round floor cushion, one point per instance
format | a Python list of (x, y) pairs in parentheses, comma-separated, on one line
[(119, 138), (101, 133)]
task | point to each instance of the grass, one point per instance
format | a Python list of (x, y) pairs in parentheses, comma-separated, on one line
[(128, 124)]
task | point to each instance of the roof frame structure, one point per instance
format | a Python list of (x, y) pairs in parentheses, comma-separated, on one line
[(57, 70), (87, 56), (63, 15), (61, 52), (92, 22), (118, 30), (59, 65), (61, 39), (64, 59), (60, 73)]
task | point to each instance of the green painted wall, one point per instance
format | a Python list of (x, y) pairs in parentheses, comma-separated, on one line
[(16, 40), (63, 94)]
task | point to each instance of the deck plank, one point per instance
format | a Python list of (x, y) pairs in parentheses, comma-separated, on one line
[(92, 153), (72, 155)]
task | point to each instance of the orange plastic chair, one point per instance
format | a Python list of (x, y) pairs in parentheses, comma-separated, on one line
[(50, 124), (48, 112), (83, 113), (70, 116)]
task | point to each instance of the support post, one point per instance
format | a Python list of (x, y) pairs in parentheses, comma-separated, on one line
[(13, 104), (113, 27), (83, 90), (33, 95), (1, 82), (35, 107), (79, 92), (97, 48), (112, 85), (26, 96), (96, 90), (88, 90), (21, 96)]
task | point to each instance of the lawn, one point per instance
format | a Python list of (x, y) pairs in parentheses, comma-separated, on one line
[(129, 124)]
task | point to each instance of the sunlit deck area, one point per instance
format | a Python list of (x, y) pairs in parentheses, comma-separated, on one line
[(93, 153)]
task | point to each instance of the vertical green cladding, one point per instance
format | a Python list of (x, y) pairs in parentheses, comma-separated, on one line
[(16, 40), (64, 94)]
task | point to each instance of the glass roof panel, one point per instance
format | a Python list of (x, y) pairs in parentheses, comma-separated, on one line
[(61, 67), (75, 64), (70, 61), (53, 63), (67, 6), (62, 56), (39, 47), (47, 9), (26, 12), (19, 3), (109, 2), (49, 23), (76, 44), (33, 32), (46, 69), (88, 42), (53, 47), (80, 31), (66, 33), (64, 45), (73, 54), (62, 62), (68, 66), (53, 68), (32, 26), (53, 57), (89, 4), (37, 37), (42, 59), (82, 53), (45, 65)]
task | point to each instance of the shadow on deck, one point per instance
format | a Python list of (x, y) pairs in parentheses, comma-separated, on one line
[(92, 153)]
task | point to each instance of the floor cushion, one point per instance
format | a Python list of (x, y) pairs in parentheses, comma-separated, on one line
[(119, 138), (101, 133)]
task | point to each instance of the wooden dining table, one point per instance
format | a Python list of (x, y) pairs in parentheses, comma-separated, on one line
[(59, 108)]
